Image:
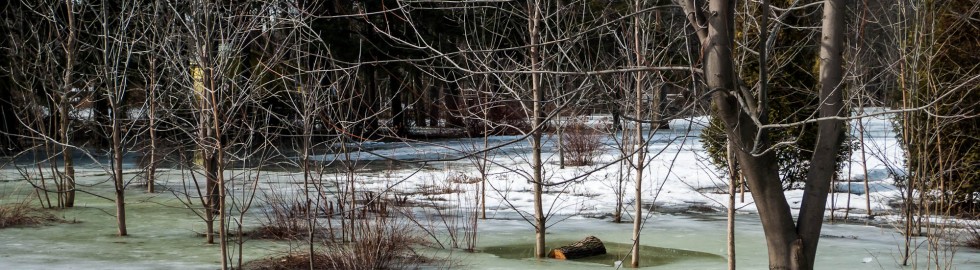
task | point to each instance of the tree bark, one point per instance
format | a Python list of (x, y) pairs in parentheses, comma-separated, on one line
[(760, 170), (823, 165), (371, 105), (8, 120), (69, 48), (590, 246), (117, 176), (101, 114), (8, 141), (397, 110), (732, 181), (151, 168), (537, 120), (433, 104), (791, 245), (638, 87), (68, 189), (451, 97)]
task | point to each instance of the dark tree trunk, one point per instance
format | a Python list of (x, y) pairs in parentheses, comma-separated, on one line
[(659, 108), (823, 165), (397, 110), (760, 171), (372, 106), (100, 116), (433, 103), (451, 97), (117, 177), (8, 121), (616, 122)]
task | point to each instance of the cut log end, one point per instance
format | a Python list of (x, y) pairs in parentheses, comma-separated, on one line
[(590, 246)]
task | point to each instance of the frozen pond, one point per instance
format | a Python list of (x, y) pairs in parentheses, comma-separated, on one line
[(166, 233), (167, 238), (844, 246)]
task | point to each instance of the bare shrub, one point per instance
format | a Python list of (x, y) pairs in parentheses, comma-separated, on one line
[(581, 144), (453, 223), (23, 214), (972, 237), (381, 243), (461, 178), (283, 217)]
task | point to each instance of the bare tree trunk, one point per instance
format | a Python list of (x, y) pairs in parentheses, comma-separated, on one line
[(864, 161), (397, 110), (433, 104), (561, 145), (618, 213), (638, 205), (208, 138), (208, 162), (790, 247), (760, 171), (117, 172), (8, 119), (69, 47), (68, 188), (823, 165), (910, 180), (151, 168), (307, 178), (638, 85), (484, 161), (763, 98), (219, 168), (733, 181), (537, 120), (114, 42)]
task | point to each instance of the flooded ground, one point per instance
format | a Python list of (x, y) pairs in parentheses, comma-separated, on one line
[(688, 242), (687, 230), (166, 234)]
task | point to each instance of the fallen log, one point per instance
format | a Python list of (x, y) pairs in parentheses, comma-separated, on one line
[(590, 246)]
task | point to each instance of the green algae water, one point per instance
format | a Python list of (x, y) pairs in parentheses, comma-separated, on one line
[(650, 256), (164, 233)]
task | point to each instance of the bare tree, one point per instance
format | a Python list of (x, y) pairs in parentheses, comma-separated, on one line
[(792, 245), (69, 47), (45, 51), (537, 121), (117, 48)]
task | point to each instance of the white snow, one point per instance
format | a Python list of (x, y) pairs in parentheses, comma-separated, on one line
[(678, 173), (678, 176)]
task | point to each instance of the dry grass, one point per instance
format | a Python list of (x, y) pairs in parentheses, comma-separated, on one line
[(461, 178), (284, 218), (379, 244), (581, 144), (23, 214), (972, 237)]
